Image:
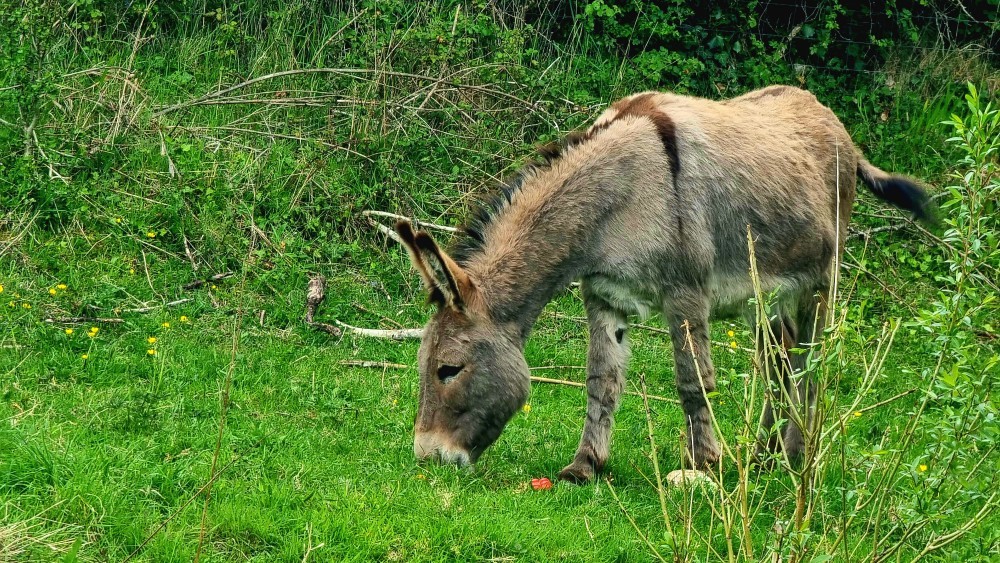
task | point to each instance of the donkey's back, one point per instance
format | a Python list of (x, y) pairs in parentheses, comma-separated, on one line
[(774, 160)]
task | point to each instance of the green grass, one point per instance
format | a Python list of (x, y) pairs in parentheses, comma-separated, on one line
[(97, 452), (109, 447)]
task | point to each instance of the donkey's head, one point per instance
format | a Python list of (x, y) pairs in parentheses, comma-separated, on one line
[(473, 376)]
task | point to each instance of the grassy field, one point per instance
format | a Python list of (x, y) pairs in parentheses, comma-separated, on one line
[(142, 419)]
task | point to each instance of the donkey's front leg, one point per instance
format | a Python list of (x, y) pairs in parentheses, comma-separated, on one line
[(607, 356), (687, 315)]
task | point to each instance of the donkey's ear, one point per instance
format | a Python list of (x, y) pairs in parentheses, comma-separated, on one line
[(449, 278), (447, 281), (409, 239)]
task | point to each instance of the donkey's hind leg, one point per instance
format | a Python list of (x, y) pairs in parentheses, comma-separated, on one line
[(811, 319), (686, 313), (607, 357), (773, 360)]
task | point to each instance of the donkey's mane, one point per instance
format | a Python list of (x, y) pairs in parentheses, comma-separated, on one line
[(492, 207)]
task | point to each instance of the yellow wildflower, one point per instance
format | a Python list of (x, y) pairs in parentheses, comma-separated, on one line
[(857, 414), (151, 352), (1, 288), (52, 291), (151, 340), (421, 476), (921, 468), (734, 345), (69, 331), (165, 325), (62, 286), (184, 319), (151, 234), (526, 408), (118, 220), (85, 356), (731, 334), (26, 305)]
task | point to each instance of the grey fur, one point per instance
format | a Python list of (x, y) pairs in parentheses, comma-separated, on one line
[(650, 209)]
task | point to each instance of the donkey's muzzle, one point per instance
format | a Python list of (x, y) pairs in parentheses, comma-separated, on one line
[(428, 445)]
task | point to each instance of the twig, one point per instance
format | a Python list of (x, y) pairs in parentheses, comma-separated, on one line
[(345, 71), (189, 250), (157, 307), (396, 334), (372, 364), (84, 320), (314, 296), (372, 213), (282, 136), (889, 400), (213, 279), (653, 329), (327, 328), (149, 278), (537, 379)]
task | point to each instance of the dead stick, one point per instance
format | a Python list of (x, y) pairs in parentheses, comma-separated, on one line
[(584, 385), (314, 296), (327, 328), (371, 213), (189, 250), (155, 307), (396, 334), (372, 364), (887, 401), (84, 320)]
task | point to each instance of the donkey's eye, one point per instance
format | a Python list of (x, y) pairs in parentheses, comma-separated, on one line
[(446, 373)]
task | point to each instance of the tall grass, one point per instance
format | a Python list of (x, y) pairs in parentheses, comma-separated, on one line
[(927, 480)]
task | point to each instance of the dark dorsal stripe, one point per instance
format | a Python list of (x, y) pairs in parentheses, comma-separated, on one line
[(645, 106)]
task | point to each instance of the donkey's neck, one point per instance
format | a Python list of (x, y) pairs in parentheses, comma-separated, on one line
[(547, 235)]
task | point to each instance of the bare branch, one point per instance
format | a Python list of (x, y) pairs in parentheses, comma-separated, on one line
[(315, 296), (370, 213), (395, 334)]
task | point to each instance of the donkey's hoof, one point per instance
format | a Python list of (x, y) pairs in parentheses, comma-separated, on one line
[(702, 460), (577, 473)]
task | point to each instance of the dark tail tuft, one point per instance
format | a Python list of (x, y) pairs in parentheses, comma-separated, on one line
[(899, 191)]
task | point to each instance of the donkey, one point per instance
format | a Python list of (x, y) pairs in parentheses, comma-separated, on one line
[(649, 208)]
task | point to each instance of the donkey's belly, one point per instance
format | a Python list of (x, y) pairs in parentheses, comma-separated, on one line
[(730, 293), (627, 297)]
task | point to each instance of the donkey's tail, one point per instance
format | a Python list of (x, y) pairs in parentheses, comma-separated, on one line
[(900, 191)]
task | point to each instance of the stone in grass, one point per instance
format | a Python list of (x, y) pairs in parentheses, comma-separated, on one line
[(681, 477)]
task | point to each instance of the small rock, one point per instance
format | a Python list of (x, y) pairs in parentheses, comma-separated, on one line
[(680, 477)]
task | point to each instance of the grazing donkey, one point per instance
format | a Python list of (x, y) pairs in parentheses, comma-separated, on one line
[(649, 207)]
